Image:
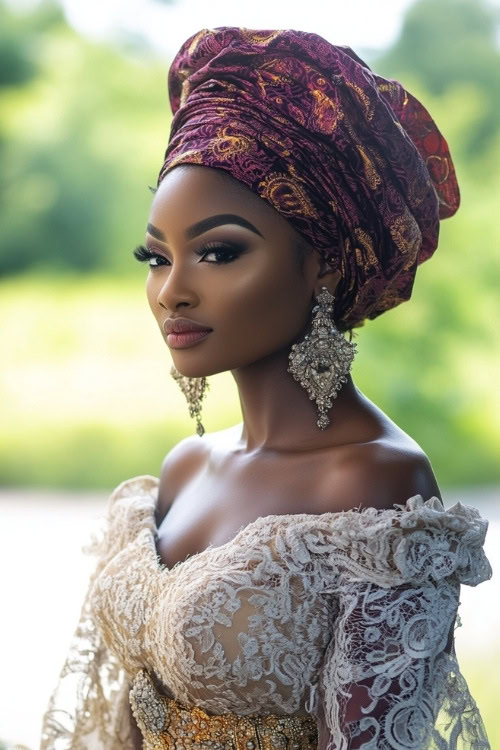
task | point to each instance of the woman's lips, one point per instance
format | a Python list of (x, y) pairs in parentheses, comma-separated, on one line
[(184, 340)]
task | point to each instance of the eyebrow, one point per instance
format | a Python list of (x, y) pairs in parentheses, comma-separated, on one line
[(205, 224)]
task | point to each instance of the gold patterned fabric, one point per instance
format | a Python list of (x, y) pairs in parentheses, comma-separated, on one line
[(351, 159), (168, 725)]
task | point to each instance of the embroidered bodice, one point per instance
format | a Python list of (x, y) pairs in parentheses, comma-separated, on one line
[(345, 616)]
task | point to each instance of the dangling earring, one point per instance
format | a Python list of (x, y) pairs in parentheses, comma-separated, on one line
[(322, 360), (194, 391)]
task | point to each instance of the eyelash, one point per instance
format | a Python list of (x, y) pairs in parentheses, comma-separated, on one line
[(143, 254)]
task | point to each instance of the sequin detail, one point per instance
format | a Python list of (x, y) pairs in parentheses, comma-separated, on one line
[(165, 723)]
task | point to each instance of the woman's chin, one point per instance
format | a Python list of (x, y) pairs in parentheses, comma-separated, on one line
[(195, 372)]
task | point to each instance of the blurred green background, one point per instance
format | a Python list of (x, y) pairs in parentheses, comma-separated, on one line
[(86, 399), (85, 391)]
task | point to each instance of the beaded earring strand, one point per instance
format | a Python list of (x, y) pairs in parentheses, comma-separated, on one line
[(322, 360), (194, 389)]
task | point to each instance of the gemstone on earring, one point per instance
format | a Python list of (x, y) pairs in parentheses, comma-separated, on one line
[(322, 360)]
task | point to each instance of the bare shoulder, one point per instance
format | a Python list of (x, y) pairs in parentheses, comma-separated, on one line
[(184, 461), (381, 473), (180, 464)]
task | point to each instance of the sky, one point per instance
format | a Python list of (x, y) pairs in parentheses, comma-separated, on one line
[(361, 24)]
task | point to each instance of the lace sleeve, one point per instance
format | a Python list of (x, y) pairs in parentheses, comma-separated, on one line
[(390, 679), (89, 709)]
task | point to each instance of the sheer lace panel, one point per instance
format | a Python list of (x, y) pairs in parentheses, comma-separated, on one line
[(341, 615)]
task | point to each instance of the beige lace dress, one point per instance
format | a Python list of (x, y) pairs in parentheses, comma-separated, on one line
[(344, 616)]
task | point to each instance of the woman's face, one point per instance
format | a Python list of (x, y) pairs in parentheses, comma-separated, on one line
[(223, 258)]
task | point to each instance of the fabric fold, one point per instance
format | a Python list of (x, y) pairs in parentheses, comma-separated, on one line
[(416, 541), (89, 708), (351, 159)]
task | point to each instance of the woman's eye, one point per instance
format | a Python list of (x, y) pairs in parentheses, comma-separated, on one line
[(221, 251), (143, 254), (156, 260)]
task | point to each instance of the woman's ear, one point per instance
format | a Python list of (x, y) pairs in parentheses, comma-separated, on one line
[(329, 278)]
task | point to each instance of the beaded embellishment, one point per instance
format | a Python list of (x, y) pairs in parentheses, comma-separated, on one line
[(194, 389), (322, 360), (167, 724)]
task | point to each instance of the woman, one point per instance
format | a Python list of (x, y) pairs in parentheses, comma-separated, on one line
[(292, 582)]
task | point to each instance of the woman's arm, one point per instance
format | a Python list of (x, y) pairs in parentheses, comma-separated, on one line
[(382, 675)]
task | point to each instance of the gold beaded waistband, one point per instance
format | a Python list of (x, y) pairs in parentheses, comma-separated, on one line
[(165, 723)]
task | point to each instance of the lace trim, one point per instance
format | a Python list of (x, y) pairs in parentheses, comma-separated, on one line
[(330, 614)]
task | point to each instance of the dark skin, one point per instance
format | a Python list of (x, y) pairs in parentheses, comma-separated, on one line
[(277, 461)]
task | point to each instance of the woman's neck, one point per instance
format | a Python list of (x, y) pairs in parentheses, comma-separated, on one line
[(279, 416)]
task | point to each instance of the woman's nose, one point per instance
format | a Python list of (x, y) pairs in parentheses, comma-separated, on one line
[(176, 290)]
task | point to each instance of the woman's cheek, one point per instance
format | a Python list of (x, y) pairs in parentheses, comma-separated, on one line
[(153, 288)]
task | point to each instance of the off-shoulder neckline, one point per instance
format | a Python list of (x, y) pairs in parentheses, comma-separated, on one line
[(244, 529), (268, 518), (412, 517), (273, 516)]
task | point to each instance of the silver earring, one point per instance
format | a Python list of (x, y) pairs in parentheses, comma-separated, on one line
[(194, 390), (322, 360)]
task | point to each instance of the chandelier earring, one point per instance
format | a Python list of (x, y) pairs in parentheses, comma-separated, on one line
[(194, 389), (322, 360)]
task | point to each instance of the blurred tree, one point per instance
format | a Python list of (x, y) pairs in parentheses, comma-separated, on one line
[(16, 64), (445, 43), (19, 34), (77, 154)]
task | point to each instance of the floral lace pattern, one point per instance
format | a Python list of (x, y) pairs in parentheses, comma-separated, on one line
[(345, 616)]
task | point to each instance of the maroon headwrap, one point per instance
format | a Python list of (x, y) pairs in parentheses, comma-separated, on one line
[(351, 159)]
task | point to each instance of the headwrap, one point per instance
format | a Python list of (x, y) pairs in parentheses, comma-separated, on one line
[(352, 160)]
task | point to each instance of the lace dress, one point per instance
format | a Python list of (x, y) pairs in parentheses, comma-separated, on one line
[(343, 616)]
